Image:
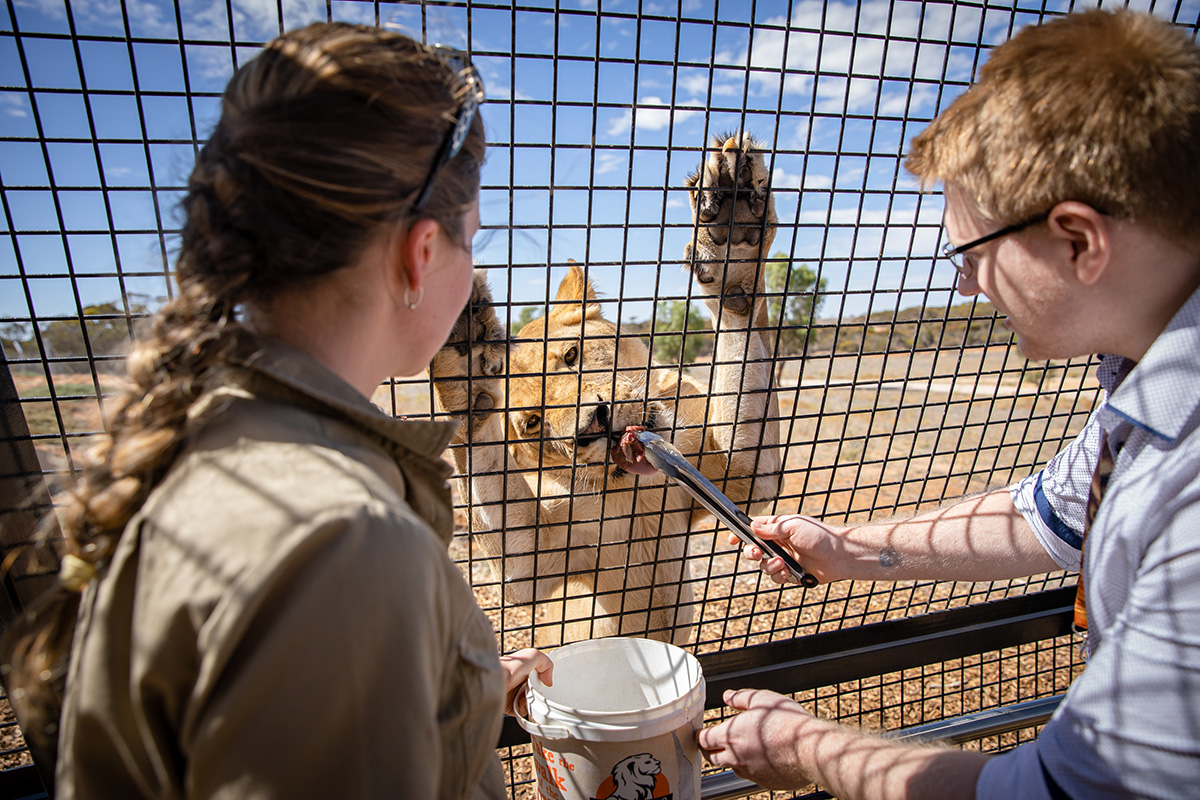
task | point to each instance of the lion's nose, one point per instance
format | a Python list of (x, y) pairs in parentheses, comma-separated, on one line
[(597, 428)]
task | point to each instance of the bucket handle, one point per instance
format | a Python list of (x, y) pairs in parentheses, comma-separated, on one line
[(536, 729)]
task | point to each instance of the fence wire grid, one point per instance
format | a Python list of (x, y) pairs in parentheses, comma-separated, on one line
[(890, 393)]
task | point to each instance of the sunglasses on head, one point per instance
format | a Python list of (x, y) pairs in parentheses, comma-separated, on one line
[(473, 96)]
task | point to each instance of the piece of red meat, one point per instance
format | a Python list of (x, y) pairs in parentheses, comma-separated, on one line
[(630, 454)]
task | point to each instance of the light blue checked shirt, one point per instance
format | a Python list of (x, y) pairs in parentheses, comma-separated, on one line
[(1130, 724)]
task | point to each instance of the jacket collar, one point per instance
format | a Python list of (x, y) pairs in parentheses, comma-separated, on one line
[(273, 368), (301, 373)]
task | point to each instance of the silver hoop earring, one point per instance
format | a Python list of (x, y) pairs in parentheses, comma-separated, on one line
[(412, 304)]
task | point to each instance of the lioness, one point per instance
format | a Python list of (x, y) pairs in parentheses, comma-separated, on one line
[(597, 549)]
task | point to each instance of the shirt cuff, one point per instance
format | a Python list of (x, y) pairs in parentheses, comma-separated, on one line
[(1054, 535)]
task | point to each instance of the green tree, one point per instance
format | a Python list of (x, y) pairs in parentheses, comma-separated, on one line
[(794, 296), (679, 324), (107, 331), (527, 315), (17, 338)]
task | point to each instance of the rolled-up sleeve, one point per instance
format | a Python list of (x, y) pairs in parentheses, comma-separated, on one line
[(1054, 500)]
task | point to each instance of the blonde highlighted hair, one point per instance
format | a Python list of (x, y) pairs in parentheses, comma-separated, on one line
[(325, 138), (1100, 107)]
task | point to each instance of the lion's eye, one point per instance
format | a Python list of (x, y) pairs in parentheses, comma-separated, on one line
[(571, 356), (533, 423)]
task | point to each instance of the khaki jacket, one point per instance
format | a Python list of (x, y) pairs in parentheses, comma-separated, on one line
[(282, 619)]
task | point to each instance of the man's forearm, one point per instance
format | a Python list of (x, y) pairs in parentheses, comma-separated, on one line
[(855, 766), (977, 539)]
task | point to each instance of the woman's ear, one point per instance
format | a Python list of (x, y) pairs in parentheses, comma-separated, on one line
[(413, 253), (1085, 236)]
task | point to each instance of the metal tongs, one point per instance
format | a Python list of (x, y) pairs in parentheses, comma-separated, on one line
[(665, 458)]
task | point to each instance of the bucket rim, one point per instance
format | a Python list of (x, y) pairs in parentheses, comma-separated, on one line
[(585, 728), (691, 694)]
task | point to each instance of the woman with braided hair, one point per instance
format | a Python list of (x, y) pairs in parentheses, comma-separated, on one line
[(256, 599)]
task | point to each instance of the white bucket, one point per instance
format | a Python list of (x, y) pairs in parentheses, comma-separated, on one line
[(619, 723)]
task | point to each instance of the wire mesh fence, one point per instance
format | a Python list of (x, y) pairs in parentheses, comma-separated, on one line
[(863, 389)]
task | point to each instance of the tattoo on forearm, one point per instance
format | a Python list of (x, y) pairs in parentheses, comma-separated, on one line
[(889, 557)]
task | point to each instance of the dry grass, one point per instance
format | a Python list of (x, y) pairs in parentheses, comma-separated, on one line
[(12, 744)]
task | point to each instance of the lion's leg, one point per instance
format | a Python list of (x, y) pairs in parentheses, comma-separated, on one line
[(572, 614), (466, 371), (735, 221), (641, 589), (670, 608), (661, 609), (468, 385)]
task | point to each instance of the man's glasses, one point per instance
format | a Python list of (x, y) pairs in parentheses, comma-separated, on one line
[(457, 135), (966, 267)]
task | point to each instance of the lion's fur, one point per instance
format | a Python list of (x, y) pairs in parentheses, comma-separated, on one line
[(590, 544)]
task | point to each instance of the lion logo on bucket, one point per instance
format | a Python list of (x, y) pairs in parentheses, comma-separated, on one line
[(635, 778)]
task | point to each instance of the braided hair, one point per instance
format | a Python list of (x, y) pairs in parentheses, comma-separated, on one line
[(325, 138)]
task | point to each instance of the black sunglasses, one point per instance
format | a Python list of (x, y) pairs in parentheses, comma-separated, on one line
[(964, 268), (472, 98)]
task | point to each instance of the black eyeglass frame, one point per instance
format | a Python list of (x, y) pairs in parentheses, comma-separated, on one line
[(951, 253), (457, 135)]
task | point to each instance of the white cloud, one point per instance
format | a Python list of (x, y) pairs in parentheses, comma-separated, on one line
[(782, 179), (898, 104), (696, 85), (652, 114), (202, 19), (817, 181), (842, 216), (609, 162), (819, 38), (906, 18), (103, 13), (14, 105)]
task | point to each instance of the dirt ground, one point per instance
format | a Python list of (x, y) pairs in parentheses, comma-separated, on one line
[(867, 437)]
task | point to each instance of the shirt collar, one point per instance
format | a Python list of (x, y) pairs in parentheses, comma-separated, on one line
[(1161, 392), (304, 375)]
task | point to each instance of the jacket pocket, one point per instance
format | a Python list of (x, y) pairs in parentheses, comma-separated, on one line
[(472, 708)]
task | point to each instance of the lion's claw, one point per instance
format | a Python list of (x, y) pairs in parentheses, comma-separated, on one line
[(464, 370), (735, 220)]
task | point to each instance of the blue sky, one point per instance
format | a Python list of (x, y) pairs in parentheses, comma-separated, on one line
[(595, 116)]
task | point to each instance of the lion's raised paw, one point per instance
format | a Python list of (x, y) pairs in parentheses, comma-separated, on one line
[(734, 215), (464, 370), (729, 191)]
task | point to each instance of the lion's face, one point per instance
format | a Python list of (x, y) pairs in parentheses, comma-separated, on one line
[(575, 384)]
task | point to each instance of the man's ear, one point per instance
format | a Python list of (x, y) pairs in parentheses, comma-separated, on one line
[(413, 253), (1087, 233)]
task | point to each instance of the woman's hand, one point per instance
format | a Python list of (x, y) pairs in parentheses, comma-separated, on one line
[(813, 543), (761, 742), (517, 669)]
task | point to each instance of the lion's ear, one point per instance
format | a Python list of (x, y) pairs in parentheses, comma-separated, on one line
[(575, 287)]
